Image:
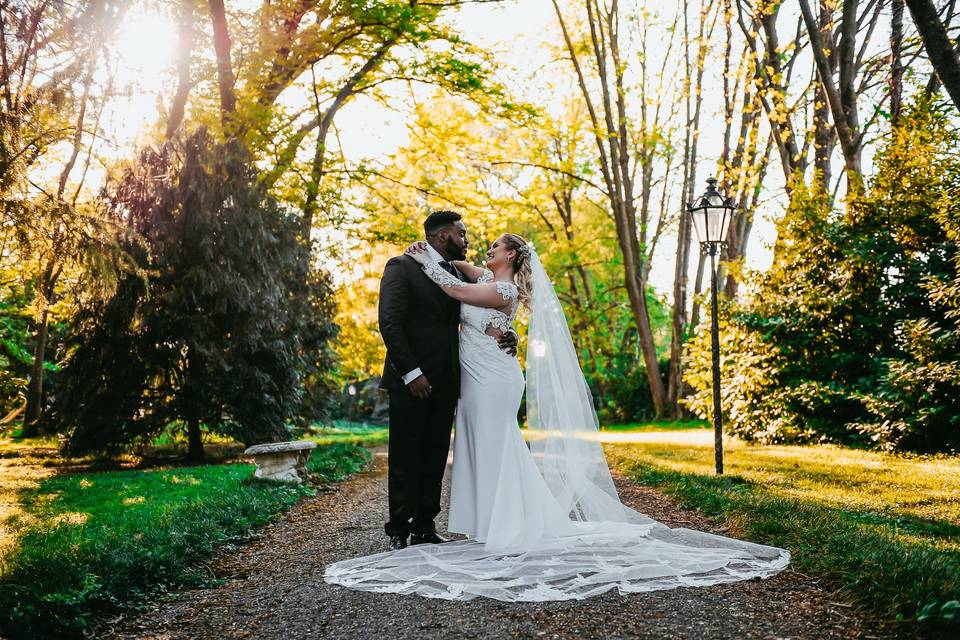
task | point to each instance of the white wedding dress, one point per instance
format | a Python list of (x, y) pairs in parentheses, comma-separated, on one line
[(498, 496), (545, 522)]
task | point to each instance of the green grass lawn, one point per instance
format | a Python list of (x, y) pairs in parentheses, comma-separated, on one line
[(680, 425), (94, 542), (884, 528), (358, 433)]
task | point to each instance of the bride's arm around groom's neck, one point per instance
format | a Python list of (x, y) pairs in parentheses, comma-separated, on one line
[(470, 271)]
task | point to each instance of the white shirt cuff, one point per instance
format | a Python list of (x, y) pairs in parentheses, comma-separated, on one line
[(413, 375)]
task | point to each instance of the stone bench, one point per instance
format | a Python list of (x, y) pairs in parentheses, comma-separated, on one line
[(283, 461)]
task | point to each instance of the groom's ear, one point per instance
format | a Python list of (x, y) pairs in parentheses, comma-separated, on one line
[(441, 235)]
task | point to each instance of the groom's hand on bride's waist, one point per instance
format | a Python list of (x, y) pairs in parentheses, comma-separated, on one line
[(420, 387), (508, 341)]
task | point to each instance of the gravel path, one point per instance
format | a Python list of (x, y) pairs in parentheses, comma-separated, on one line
[(274, 589)]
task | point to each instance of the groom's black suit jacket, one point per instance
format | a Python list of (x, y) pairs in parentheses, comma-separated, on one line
[(419, 324)]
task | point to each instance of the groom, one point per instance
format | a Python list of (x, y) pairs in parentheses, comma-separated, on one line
[(419, 324)]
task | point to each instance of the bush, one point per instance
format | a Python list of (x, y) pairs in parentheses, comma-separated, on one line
[(628, 397)]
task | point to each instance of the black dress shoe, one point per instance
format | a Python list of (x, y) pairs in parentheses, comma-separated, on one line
[(426, 538), (398, 542)]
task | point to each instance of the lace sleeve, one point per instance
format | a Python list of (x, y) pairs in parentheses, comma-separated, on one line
[(508, 291), (436, 273)]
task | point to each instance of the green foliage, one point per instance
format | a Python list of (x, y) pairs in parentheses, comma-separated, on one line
[(221, 321), (917, 401), (106, 541), (337, 461), (15, 355), (312, 330), (616, 372), (850, 337), (626, 393)]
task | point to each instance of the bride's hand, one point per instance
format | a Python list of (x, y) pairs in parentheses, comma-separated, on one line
[(417, 251)]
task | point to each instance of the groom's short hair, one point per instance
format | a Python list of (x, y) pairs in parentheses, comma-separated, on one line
[(438, 220)]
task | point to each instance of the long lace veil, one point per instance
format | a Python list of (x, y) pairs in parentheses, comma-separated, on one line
[(603, 550), (562, 426)]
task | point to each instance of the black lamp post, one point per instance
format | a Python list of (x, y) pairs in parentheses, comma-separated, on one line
[(711, 216)]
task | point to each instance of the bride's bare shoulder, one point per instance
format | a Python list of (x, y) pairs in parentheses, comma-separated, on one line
[(470, 271)]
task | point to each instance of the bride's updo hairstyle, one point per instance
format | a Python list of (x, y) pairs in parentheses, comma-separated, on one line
[(523, 277)]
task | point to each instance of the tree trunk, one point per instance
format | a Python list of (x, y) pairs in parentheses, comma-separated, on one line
[(310, 203), (937, 44), (824, 135), (675, 370), (31, 419), (195, 451), (641, 314), (697, 288), (896, 63), (846, 64), (933, 84), (823, 140), (842, 100), (771, 68), (184, 51), (221, 45)]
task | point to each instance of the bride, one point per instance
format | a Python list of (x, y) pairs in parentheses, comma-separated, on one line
[(544, 522)]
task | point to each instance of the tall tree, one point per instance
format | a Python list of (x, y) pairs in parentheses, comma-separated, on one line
[(693, 101), (937, 44), (610, 119), (209, 327), (52, 97), (802, 114), (333, 52)]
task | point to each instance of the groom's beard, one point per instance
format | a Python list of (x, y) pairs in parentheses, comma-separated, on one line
[(455, 251)]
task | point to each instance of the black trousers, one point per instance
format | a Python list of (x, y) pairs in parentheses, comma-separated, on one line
[(418, 449)]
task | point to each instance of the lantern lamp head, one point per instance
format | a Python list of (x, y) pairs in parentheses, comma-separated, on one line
[(711, 216)]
